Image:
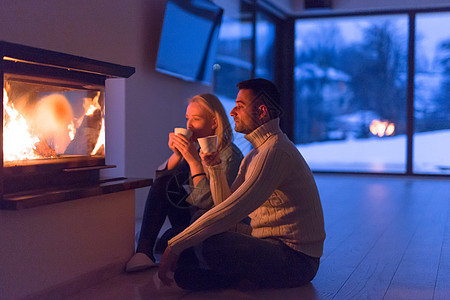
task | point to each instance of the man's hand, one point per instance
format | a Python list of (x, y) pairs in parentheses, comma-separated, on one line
[(167, 264), (210, 159)]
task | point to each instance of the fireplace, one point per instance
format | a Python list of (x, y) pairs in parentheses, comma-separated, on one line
[(53, 119)]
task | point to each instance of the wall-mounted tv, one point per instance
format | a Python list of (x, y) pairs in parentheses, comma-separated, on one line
[(188, 42)]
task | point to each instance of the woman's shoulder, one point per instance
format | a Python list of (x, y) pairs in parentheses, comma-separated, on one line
[(236, 151), (231, 151)]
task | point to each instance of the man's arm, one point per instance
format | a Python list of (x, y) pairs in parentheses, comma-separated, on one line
[(222, 182), (268, 172), (220, 189), (202, 195)]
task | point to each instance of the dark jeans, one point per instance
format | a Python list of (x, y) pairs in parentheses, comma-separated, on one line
[(234, 258), (158, 207)]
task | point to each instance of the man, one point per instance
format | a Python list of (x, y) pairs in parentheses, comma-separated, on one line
[(275, 187)]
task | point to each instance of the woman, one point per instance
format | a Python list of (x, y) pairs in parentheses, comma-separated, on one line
[(205, 116)]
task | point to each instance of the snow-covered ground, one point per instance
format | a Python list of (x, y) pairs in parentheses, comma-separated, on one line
[(430, 154)]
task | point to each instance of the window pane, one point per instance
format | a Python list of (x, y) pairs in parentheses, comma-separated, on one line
[(233, 61), (265, 39), (432, 94), (350, 93)]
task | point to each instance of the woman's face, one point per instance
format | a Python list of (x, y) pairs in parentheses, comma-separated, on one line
[(199, 121)]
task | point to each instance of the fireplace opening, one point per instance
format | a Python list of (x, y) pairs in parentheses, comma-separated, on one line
[(53, 118), (51, 121)]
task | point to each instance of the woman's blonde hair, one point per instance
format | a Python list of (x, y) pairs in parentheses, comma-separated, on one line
[(215, 108)]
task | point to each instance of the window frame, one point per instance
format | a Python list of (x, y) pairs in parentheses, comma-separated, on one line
[(411, 14)]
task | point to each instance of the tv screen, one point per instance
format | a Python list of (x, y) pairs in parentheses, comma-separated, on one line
[(188, 43)]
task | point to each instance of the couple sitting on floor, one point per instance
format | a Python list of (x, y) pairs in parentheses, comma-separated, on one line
[(209, 245)]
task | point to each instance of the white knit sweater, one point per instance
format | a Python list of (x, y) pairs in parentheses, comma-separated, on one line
[(275, 187)]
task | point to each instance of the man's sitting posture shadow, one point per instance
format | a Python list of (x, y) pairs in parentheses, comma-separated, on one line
[(276, 188)]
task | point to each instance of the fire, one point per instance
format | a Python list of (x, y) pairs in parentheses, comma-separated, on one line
[(51, 127), (51, 118), (91, 110), (382, 128), (18, 142), (101, 138), (72, 130), (91, 106)]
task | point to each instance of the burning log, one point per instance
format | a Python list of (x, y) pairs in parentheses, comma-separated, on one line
[(86, 135), (44, 150)]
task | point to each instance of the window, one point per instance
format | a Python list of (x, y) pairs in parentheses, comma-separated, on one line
[(234, 58), (265, 39), (356, 79), (234, 52), (432, 94), (245, 50), (350, 92)]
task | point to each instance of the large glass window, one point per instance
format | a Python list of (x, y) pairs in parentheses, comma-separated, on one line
[(265, 40), (351, 85), (234, 51), (350, 92), (234, 58), (243, 52), (432, 94)]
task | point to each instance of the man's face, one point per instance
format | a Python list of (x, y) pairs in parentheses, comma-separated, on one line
[(245, 118)]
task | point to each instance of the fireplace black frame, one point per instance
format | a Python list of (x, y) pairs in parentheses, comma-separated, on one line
[(23, 61)]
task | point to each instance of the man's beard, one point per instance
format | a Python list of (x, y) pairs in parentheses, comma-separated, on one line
[(240, 127)]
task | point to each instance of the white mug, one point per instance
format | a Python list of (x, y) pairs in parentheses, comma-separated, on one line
[(183, 131), (209, 143)]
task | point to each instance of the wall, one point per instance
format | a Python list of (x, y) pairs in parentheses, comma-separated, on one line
[(146, 106), (58, 249)]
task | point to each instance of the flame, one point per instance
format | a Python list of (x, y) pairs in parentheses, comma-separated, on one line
[(92, 106), (18, 142), (382, 128), (51, 118), (91, 110), (72, 130), (101, 138)]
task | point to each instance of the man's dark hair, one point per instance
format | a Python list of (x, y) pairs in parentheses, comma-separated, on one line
[(265, 93)]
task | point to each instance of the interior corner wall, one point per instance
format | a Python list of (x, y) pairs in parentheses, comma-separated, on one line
[(121, 32)]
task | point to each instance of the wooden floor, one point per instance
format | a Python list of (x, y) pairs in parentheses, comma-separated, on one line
[(387, 238)]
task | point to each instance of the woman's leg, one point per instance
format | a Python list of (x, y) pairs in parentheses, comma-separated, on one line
[(157, 208), (155, 213)]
